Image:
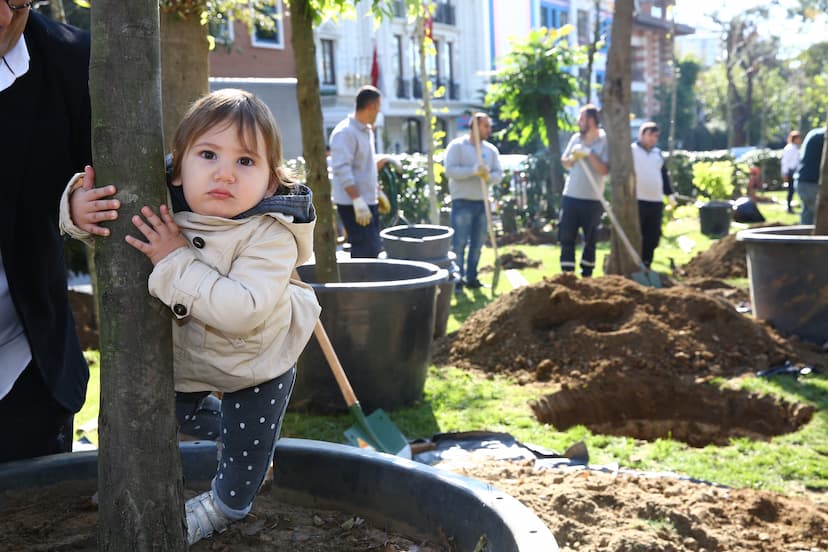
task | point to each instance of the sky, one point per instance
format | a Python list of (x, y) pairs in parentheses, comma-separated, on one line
[(793, 36)]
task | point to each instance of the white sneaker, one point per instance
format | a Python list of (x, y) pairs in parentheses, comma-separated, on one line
[(204, 518)]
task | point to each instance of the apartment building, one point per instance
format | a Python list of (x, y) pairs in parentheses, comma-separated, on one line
[(352, 52)]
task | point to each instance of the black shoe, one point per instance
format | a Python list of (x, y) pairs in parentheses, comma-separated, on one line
[(458, 287), (475, 284)]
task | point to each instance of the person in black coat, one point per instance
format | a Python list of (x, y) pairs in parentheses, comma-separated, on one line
[(45, 137)]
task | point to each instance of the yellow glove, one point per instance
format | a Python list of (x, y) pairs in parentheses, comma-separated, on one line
[(579, 151), (384, 205), (483, 172), (362, 213)]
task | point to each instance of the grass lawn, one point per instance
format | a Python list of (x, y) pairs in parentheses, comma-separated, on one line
[(456, 400)]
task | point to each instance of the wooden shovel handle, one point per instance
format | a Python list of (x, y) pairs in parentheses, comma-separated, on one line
[(485, 188), (333, 360)]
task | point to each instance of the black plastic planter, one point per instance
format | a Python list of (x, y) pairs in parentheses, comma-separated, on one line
[(714, 217), (380, 320), (396, 494), (788, 274), (417, 242)]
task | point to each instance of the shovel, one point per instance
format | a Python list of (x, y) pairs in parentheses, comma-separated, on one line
[(375, 431), (645, 276), (489, 223)]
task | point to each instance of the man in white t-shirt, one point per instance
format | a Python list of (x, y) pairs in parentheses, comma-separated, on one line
[(652, 183)]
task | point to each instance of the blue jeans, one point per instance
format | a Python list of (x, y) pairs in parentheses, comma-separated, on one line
[(365, 240), (578, 214), (807, 193), (468, 218)]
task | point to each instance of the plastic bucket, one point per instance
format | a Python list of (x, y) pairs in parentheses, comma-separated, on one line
[(715, 218), (788, 275), (380, 320), (417, 242)]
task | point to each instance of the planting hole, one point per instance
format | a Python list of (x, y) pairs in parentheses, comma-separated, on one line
[(650, 408)]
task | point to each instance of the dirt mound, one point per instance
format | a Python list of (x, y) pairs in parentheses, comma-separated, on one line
[(726, 258), (517, 259), (621, 512), (567, 329), (528, 236)]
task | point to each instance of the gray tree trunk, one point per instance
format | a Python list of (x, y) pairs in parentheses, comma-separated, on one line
[(616, 116), (313, 138), (139, 472), (821, 216)]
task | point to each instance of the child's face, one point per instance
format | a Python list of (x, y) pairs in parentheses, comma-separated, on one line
[(221, 177)]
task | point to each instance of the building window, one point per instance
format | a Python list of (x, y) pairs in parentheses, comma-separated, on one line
[(269, 36), (584, 34), (411, 135), (328, 72), (552, 16)]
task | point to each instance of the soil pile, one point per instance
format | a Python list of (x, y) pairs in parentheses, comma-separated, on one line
[(726, 258), (589, 510), (517, 259), (567, 329), (528, 236)]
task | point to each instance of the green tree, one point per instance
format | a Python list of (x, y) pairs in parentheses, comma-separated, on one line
[(532, 86), (685, 119)]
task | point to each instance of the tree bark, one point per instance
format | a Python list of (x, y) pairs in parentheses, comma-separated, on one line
[(185, 68), (821, 215), (434, 209), (556, 172), (139, 471), (616, 115), (313, 138)]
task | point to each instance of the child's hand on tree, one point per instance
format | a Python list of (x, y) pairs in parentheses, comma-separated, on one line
[(88, 206), (163, 234)]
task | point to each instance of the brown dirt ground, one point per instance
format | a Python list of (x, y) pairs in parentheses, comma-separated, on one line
[(586, 339), (62, 517), (724, 259), (623, 512)]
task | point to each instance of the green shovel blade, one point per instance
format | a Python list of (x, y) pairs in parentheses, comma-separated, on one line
[(377, 432)]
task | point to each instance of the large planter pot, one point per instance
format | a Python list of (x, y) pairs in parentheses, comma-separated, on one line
[(396, 494), (431, 244), (380, 320), (788, 271), (714, 217), (417, 242)]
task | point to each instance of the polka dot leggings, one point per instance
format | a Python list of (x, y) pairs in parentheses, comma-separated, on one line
[(248, 422)]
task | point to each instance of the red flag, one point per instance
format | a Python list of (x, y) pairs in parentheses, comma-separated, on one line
[(375, 70), (428, 26)]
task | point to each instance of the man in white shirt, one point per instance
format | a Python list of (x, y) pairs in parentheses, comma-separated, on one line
[(790, 162), (652, 183)]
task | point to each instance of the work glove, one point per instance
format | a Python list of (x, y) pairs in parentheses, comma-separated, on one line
[(395, 163), (384, 204), (362, 213), (672, 200), (483, 172), (579, 151)]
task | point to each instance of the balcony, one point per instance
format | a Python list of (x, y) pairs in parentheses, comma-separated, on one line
[(444, 13)]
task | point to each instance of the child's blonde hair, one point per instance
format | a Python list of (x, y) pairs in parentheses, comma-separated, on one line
[(247, 113)]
